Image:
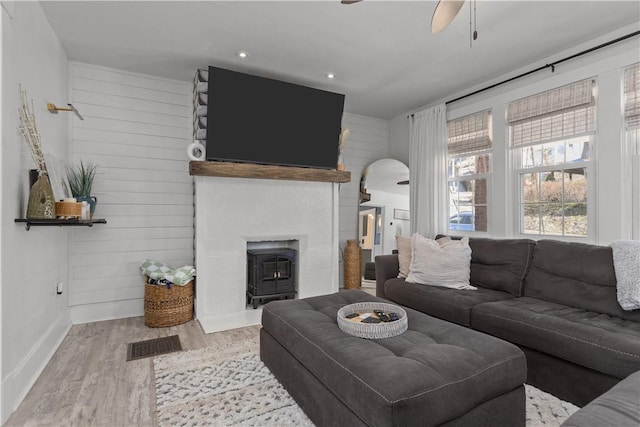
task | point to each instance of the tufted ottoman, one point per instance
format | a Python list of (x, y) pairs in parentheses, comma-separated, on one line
[(436, 373)]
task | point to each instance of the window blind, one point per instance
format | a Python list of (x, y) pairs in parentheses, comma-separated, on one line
[(632, 96), (470, 133), (558, 113)]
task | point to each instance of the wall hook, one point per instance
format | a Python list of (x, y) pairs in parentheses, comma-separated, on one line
[(54, 110)]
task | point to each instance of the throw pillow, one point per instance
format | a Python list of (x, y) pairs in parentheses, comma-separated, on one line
[(404, 255), (446, 264)]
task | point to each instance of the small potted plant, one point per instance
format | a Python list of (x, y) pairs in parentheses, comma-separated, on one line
[(81, 182)]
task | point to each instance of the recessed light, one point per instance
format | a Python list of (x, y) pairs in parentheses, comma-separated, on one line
[(242, 54), (331, 76)]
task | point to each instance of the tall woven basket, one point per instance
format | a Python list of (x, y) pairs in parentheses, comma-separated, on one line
[(352, 254), (167, 307)]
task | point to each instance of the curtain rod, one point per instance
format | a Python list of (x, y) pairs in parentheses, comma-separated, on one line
[(551, 65)]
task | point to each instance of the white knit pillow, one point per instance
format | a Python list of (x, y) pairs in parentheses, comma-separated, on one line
[(404, 255), (446, 263)]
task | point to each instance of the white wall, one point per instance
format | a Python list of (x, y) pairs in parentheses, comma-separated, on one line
[(2, 418), (611, 221), (34, 318), (231, 212), (136, 129), (399, 138), (368, 141)]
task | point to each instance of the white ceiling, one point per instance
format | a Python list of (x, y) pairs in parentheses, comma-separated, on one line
[(385, 58)]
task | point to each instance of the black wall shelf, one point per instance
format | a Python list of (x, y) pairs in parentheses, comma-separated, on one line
[(60, 222)]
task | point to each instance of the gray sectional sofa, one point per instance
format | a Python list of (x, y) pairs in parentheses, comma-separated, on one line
[(555, 300), (619, 407)]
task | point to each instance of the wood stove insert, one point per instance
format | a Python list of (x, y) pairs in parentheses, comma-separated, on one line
[(271, 274)]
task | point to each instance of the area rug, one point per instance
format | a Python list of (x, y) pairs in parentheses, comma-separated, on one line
[(232, 387)]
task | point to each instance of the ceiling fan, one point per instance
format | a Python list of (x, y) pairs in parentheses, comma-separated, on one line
[(446, 11)]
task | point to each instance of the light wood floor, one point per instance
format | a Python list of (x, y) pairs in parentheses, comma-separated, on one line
[(88, 382)]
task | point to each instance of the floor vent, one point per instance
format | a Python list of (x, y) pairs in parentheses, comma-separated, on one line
[(154, 347)]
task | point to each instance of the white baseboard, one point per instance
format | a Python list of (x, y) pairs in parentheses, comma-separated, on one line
[(228, 321), (16, 384), (87, 313)]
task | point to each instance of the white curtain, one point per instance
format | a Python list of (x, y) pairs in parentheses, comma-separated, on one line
[(428, 171)]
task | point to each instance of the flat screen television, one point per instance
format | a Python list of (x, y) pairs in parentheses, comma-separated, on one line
[(260, 120)]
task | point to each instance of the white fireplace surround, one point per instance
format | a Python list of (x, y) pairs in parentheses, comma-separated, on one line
[(232, 213)]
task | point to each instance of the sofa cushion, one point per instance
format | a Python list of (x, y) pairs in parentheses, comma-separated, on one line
[(500, 264), (575, 274), (432, 373), (453, 305), (598, 341), (618, 407)]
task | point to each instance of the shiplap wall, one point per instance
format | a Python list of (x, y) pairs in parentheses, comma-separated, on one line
[(136, 129), (368, 141)]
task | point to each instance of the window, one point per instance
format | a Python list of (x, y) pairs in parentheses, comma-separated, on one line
[(631, 86), (551, 136), (469, 167)]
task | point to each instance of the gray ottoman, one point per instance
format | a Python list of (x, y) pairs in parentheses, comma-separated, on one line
[(436, 373)]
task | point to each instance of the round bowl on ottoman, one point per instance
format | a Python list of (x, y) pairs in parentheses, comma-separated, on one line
[(372, 330)]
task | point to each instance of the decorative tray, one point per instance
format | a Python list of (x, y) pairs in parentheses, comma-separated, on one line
[(363, 310)]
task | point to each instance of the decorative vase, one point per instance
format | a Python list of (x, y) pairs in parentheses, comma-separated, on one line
[(41, 204), (91, 200), (352, 276)]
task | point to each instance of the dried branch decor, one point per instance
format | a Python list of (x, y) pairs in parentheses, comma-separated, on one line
[(30, 132), (343, 139), (41, 202)]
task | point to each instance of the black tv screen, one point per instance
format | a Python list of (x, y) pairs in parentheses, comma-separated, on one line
[(260, 120)]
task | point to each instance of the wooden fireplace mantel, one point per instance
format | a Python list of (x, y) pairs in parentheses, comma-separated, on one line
[(249, 170)]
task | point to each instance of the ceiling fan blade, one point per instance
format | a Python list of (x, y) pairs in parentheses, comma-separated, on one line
[(445, 11), (350, 1)]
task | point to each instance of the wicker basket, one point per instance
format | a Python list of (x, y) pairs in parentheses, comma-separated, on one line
[(167, 307), (372, 330), (68, 209)]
